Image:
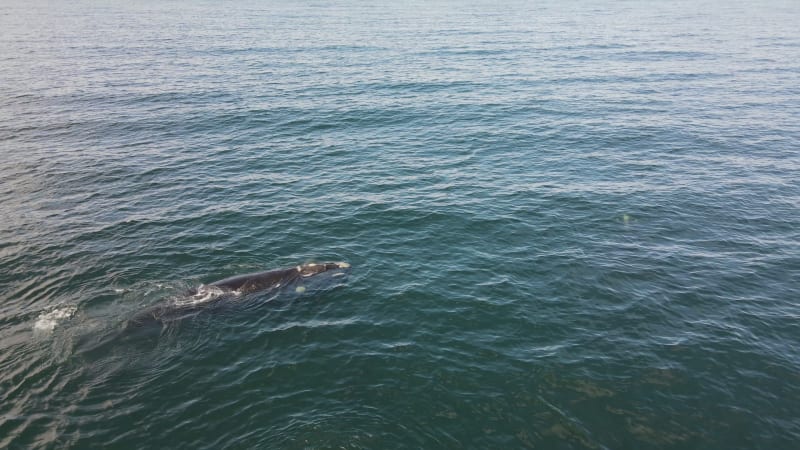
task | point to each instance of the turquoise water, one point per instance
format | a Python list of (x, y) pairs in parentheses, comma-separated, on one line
[(570, 226)]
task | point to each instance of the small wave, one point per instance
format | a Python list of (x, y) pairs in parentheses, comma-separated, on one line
[(47, 322)]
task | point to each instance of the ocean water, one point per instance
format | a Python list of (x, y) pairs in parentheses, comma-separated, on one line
[(572, 225)]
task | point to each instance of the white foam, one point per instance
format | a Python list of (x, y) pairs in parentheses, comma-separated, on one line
[(47, 322), (204, 294)]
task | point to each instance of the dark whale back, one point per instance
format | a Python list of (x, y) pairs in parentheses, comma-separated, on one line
[(258, 281), (219, 292)]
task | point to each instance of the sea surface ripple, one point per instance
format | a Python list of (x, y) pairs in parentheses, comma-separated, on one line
[(572, 225)]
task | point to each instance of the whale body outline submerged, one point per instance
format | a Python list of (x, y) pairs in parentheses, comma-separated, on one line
[(212, 294)]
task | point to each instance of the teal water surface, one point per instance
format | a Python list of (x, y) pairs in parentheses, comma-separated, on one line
[(572, 225)]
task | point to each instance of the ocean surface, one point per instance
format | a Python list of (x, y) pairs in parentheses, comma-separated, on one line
[(571, 225)]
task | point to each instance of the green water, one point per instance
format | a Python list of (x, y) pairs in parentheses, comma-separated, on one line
[(570, 226)]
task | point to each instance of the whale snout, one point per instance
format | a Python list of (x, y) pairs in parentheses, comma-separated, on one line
[(315, 276), (307, 270)]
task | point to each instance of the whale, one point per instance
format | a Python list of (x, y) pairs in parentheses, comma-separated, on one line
[(208, 296)]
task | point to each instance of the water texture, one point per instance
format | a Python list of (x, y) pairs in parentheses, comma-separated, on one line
[(572, 225)]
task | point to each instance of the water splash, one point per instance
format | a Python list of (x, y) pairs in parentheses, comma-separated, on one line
[(205, 293), (47, 321)]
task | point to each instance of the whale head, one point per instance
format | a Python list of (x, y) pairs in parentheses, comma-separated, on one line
[(310, 269), (315, 277)]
